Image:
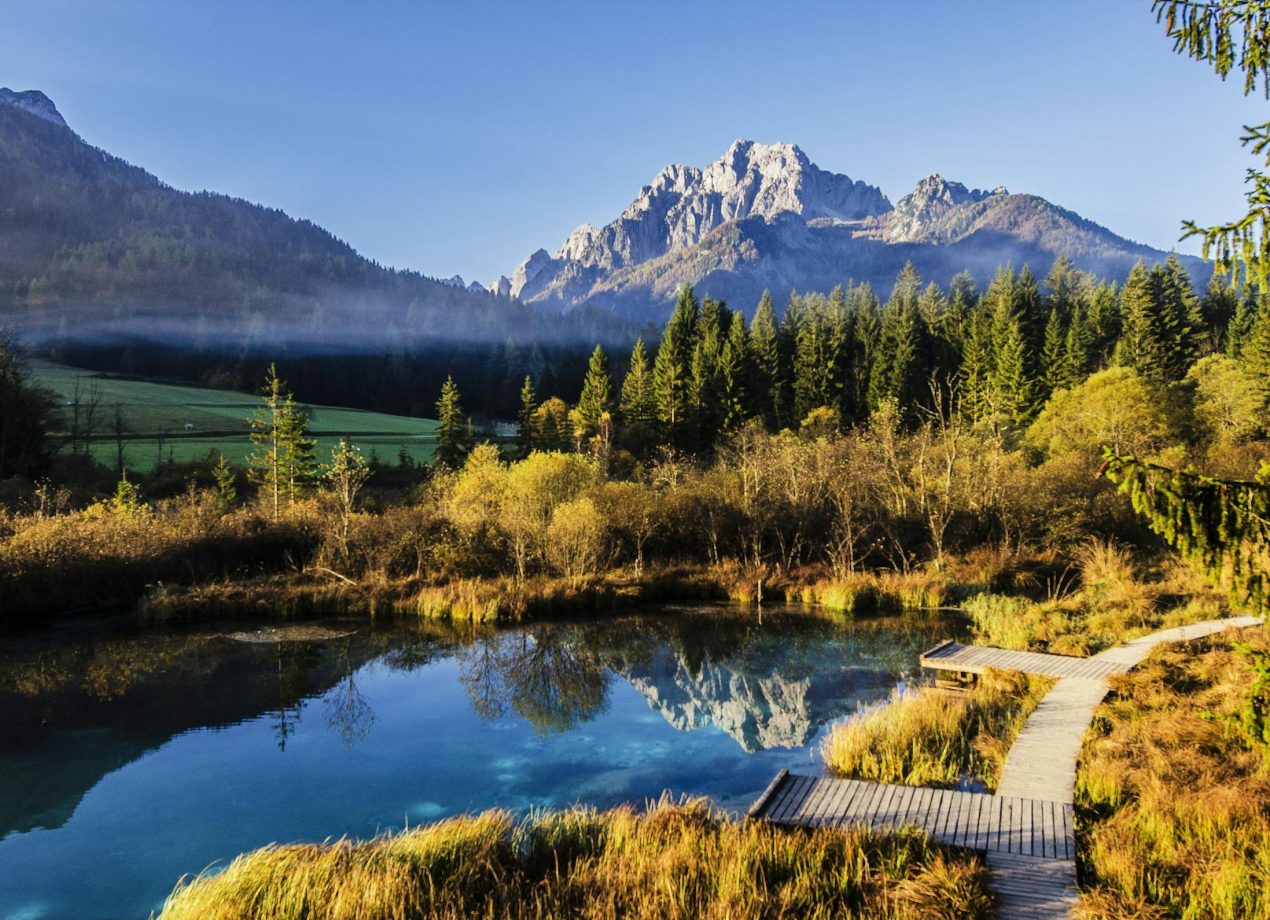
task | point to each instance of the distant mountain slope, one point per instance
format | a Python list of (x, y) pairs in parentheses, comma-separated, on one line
[(91, 245), (766, 217)]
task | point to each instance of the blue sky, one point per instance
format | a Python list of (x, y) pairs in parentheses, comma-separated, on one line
[(458, 137)]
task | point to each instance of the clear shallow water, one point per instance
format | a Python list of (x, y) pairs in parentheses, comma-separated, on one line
[(130, 758)]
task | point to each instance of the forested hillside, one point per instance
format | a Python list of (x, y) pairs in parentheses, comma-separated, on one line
[(92, 239)]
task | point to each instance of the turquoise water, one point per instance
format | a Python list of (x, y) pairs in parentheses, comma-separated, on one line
[(129, 758)]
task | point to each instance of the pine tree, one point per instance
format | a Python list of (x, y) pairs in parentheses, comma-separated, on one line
[(1077, 347), (811, 364), (945, 331), (283, 463), (770, 376), (1066, 285), (1255, 355), (300, 463), (1053, 368), (595, 401), (1159, 335), (453, 430), (1106, 323), (1241, 323), (705, 396), (1030, 309), (638, 405), (974, 382), (525, 419), (839, 335), (226, 485), (866, 335), (1010, 382), (736, 376), (672, 371), (1185, 317)]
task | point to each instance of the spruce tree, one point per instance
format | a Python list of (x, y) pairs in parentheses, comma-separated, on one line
[(838, 348), (1077, 347), (1011, 385), (974, 382), (638, 406), (866, 335), (525, 419), (811, 362), (1158, 338), (453, 430), (736, 376), (769, 369), (283, 464), (1053, 368), (672, 372), (300, 463), (1255, 355), (706, 398), (595, 401)]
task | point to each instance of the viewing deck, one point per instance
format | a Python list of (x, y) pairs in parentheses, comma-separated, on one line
[(1025, 829), (975, 659)]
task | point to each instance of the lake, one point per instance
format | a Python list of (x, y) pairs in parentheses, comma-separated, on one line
[(130, 756)]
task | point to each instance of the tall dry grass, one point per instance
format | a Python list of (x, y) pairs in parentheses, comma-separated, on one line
[(934, 737), (1173, 805), (676, 861)]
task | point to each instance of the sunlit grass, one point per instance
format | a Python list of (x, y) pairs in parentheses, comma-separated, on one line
[(935, 737), (676, 861), (1173, 807)]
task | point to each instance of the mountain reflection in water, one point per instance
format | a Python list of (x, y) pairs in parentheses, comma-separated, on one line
[(348, 727)]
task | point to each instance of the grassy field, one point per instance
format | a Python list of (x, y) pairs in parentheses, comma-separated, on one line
[(163, 421)]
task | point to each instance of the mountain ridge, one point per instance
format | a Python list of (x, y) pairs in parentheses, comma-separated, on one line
[(766, 217)]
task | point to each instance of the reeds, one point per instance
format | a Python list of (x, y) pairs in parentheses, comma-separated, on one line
[(675, 861), (868, 592), (935, 737)]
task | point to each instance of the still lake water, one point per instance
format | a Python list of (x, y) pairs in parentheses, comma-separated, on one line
[(130, 757)]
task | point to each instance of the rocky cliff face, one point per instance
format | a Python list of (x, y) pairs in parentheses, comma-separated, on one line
[(763, 216), (33, 101)]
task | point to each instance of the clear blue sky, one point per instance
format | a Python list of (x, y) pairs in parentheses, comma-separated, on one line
[(459, 137)]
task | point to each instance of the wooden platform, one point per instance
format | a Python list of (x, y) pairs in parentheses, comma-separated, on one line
[(974, 820), (975, 659), (1026, 827)]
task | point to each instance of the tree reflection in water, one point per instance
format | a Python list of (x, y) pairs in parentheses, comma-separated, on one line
[(544, 674), (347, 710)]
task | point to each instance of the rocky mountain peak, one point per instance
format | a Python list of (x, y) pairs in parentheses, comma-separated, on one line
[(578, 242), (683, 204), (33, 101), (933, 197)]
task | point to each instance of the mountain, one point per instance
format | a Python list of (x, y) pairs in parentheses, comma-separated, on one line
[(95, 248), (766, 217)]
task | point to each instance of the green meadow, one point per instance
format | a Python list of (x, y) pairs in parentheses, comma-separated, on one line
[(164, 421)]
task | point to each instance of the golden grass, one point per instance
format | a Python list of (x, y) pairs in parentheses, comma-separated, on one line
[(676, 861), (935, 737), (1173, 806), (866, 592)]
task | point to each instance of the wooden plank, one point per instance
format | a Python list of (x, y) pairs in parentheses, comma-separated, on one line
[(756, 809), (881, 810), (995, 825), (863, 805), (833, 805), (855, 791), (811, 805), (791, 797)]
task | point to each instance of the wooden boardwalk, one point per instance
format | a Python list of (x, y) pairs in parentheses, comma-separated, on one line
[(975, 659), (975, 820), (1025, 829)]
